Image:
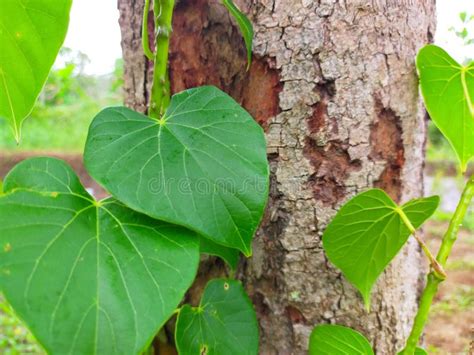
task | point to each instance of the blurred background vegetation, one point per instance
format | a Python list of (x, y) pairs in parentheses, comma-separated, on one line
[(69, 101)]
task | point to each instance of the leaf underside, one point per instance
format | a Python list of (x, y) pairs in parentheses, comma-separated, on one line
[(367, 233), (87, 277), (202, 166), (31, 34), (224, 323), (448, 92), (338, 340)]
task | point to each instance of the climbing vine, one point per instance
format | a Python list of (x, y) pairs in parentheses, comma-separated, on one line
[(189, 177), (370, 229)]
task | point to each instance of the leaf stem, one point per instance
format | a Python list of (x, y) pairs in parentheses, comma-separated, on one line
[(436, 267), (434, 280), (160, 90), (145, 42)]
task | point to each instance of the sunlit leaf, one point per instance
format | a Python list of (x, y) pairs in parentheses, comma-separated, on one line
[(31, 33), (245, 27), (202, 166), (338, 340), (223, 323), (448, 92), (87, 277), (367, 233)]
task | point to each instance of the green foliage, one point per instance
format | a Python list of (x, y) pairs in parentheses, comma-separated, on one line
[(114, 274), (461, 300), (448, 91), (203, 165), (15, 339), (223, 323), (464, 32), (367, 233), (97, 301), (338, 340), (65, 107), (31, 34), (245, 27)]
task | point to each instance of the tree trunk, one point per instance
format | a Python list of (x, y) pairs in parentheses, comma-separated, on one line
[(334, 85)]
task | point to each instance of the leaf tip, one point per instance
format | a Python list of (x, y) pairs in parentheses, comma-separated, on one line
[(366, 298)]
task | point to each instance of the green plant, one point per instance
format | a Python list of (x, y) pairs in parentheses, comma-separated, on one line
[(92, 276), (370, 229), (464, 33), (31, 35)]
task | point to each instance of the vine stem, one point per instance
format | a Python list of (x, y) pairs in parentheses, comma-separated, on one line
[(433, 280), (160, 90), (437, 268), (145, 41)]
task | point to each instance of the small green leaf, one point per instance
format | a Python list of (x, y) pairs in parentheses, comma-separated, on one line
[(87, 277), (338, 340), (448, 92), (203, 165), (367, 233), (245, 27), (229, 255), (462, 16), (224, 322), (31, 33), (418, 351)]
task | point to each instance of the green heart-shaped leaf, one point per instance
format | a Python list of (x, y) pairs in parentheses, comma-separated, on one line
[(367, 233), (245, 27), (229, 255), (87, 277), (338, 340), (202, 166), (31, 33), (224, 322), (448, 92)]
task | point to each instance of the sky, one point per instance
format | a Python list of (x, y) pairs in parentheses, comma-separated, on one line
[(447, 16), (94, 30)]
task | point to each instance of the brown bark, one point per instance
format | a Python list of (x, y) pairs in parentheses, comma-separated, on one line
[(333, 83)]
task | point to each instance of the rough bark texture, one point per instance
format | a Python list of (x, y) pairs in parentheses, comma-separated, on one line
[(333, 83)]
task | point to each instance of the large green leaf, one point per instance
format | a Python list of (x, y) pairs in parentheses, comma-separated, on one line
[(31, 33), (87, 277), (224, 322), (338, 340), (245, 27), (202, 166), (448, 92), (367, 233)]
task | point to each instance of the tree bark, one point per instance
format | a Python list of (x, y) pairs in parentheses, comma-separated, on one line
[(333, 84)]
